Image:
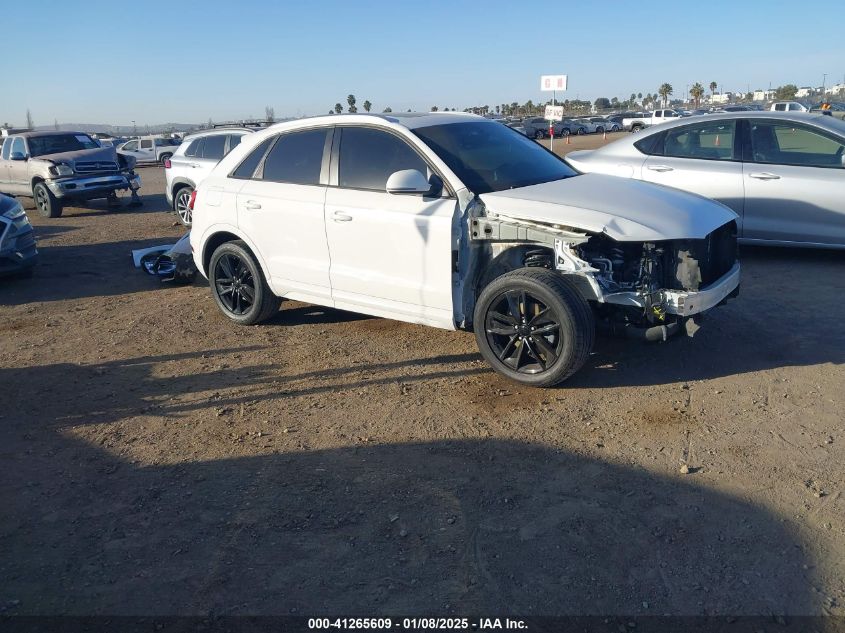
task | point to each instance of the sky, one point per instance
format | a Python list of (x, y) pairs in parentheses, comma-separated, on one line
[(183, 61)]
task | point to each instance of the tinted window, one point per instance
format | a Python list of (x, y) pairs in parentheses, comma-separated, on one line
[(146, 144), (131, 146), (195, 148), (788, 144), (18, 146), (651, 144), (296, 158), (247, 168), (215, 147), (368, 158), (56, 143), (234, 141), (712, 140), (489, 157), (7, 148)]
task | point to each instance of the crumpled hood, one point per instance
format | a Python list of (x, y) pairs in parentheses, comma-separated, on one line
[(623, 209), (98, 153)]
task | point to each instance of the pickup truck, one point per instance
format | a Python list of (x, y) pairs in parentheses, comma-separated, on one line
[(637, 123), (56, 167), (149, 149)]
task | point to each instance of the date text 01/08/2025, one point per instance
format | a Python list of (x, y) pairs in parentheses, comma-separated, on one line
[(417, 624)]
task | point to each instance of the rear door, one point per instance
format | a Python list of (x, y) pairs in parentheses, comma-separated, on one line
[(391, 255), (280, 207), (701, 157), (146, 151), (794, 184)]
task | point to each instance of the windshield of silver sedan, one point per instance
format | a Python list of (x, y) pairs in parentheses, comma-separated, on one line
[(490, 157)]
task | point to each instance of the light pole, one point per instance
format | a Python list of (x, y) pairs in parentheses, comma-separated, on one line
[(824, 80), (134, 127)]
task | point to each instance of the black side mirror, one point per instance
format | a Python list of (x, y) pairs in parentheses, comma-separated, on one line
[(436, 187)]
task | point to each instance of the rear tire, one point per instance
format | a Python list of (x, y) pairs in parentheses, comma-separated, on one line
[(534, 327), (238, 285), (181, 202), (538, 134), (164, 157), (47, 204)]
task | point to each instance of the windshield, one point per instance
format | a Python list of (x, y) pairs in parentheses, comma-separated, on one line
[(488, 157), (57, 143)]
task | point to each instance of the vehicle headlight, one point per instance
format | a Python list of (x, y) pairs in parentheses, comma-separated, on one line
[(62, 169), (15, 212)]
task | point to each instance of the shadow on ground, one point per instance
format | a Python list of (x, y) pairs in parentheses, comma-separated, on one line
[(432, 528)]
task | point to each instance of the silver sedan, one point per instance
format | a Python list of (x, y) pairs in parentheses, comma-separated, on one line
[(782, 173)]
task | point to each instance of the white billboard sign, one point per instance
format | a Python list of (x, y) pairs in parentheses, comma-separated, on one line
[(554, 113), (548, 83)]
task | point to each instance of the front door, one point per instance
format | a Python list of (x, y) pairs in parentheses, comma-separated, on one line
[(700, 158), (19, 183), (391, 255), (794, 184), (280, 206)]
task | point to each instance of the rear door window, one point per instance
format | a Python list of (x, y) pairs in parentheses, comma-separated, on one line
[(713, 140), (214, 147), (296, 158), (234, 141), (146, 143), (368, 157)]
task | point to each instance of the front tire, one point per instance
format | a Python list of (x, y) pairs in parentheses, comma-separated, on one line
[(47, 204), (533, 326), (181, 204), (538, 134), (238, 285)]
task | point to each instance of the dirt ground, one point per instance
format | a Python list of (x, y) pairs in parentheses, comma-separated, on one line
[(157, 459)]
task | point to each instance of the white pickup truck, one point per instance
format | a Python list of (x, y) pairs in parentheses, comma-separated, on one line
[(635, 124), (150, 149)]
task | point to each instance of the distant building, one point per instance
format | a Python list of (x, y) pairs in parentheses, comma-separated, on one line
[(722, 97), (805, 91), (836, 89), (764, 95)]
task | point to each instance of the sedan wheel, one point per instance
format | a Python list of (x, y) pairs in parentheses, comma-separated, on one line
[(181, 204), (538, 134)]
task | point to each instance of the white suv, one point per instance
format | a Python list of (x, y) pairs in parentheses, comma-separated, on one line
[(458, 222), (193, 161)]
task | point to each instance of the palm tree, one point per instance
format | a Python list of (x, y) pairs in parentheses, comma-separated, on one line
[(351, 101), (664, 91), (338, 108), (367, 105), (696, 92), (388, 109), (713, 86)]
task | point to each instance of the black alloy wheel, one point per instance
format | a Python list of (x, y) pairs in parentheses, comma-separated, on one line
[(238, 285), (534, 326)]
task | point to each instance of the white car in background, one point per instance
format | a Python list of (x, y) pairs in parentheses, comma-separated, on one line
[(457, 222), (193, 161), (149, 149)]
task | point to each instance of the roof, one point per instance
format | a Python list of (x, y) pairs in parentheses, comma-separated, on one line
[(46, 133), (409, 120)]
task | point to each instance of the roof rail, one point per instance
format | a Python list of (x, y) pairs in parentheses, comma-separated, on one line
[(244, 124)]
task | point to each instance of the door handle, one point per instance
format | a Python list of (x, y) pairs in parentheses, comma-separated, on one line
[(341, 217), (764, 176), (194, 165), (660, 168), (251, 204)]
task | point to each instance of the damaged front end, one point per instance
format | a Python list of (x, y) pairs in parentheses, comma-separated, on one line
[(643, 289)]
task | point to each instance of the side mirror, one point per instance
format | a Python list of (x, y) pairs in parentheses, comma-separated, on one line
[(408, 181), (17, 156)]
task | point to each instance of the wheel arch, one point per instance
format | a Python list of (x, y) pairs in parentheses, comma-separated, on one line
[(512, 256), (222, 234), (180, 182)]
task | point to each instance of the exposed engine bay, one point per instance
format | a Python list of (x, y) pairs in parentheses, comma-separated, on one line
[(646, 289)]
